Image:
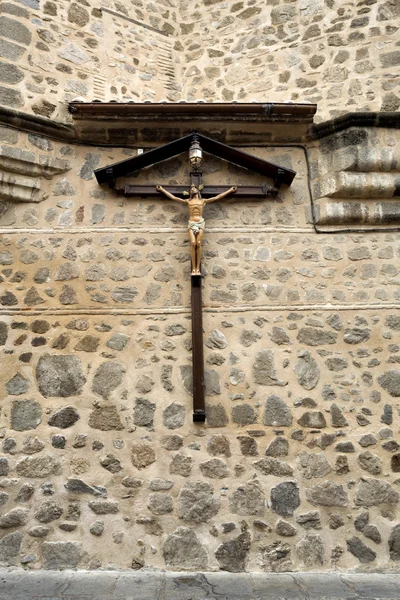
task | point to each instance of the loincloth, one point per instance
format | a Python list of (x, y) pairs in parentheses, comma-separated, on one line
[(197, 226)]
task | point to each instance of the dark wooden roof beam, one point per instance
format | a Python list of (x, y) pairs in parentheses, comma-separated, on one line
[(124, 168)]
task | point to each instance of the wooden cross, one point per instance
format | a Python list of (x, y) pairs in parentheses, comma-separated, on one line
[(198, 197)]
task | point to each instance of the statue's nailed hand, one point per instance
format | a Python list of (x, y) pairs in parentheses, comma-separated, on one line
[(234, 188), (158, 188)]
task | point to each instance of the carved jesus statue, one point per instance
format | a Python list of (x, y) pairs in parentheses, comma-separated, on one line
[(196, 224)]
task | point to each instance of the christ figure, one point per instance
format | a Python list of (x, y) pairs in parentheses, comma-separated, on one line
[(196, 224)]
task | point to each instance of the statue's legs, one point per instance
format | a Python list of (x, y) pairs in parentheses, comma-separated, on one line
[(199, 238)]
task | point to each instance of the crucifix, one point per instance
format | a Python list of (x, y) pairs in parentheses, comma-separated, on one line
[(198, 196)]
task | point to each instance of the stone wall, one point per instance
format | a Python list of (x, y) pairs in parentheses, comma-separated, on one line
[(342, 55), (296, 467), (52, 52)]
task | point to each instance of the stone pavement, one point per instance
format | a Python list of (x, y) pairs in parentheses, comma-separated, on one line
[(16, 584)]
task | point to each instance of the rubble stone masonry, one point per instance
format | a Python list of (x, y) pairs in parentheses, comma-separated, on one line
[(342, 55), (297, 467)]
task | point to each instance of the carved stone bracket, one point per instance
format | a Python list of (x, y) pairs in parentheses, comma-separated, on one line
[(21, 172), (356, 179)]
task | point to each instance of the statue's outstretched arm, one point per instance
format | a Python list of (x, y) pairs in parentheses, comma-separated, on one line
[(160, 189), (231, 190)]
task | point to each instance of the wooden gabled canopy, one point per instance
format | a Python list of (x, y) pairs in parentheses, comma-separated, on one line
[(121, 169)]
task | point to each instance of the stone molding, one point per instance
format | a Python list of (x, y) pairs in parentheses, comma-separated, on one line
[(21, 172), (125, 585), (356, 178), (356, 119), (92, 132)]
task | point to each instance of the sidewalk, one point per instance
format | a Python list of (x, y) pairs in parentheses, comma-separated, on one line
[(155, 585)]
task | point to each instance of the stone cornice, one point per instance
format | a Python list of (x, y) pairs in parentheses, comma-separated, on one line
[(29, 123), (389, 120), (189, 111), (95, 132)]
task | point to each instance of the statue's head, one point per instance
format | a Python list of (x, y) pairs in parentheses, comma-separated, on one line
[(194, 192)]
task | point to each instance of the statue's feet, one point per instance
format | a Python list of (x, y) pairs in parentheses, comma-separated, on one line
[(196, 273)]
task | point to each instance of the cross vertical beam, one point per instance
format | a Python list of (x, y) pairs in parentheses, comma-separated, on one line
[(199, 407), (199, 395)]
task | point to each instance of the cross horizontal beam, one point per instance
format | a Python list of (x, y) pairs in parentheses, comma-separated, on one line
[(255, 192)]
